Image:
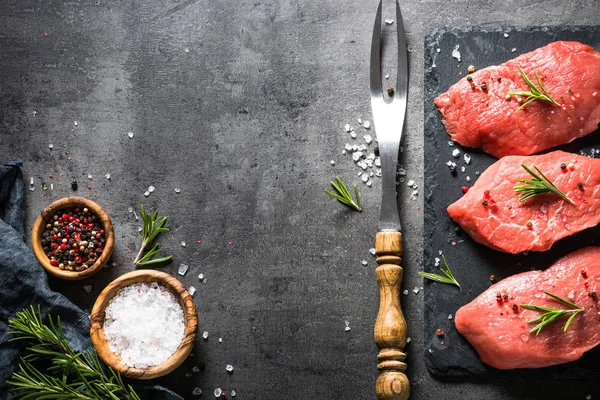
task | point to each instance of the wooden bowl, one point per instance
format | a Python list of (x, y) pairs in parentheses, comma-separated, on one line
[(189, 335), (40, 224)]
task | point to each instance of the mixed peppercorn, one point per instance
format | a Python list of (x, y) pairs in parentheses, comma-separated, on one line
[(73, 239)]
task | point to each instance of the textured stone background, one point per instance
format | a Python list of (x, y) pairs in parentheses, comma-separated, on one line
[(245, 123)]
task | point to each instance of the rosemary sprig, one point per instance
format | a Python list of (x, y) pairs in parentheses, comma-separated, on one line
[(343, 194), (151, 228), (69, 375), (538, 185), (551, 314), (535, 93), (448, 278)]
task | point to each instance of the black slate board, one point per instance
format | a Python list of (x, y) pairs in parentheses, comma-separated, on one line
[(473, 263)]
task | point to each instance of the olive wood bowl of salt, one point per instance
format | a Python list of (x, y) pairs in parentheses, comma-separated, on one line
[(46, 219), (140, 303)]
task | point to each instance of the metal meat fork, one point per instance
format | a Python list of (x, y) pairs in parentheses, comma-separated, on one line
[(388, 118)]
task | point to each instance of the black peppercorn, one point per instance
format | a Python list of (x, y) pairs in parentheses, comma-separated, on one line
[(74, 185), (483, 86), (485, 202), (469, 78), (579, 185), (563, 166)]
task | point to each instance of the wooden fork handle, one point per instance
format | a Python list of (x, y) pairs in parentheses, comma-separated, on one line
[(390, 327)]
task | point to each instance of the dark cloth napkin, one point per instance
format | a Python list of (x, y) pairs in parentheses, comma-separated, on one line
[(23, 282)]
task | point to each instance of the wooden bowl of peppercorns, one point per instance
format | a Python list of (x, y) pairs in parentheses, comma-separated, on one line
[(73, 238)]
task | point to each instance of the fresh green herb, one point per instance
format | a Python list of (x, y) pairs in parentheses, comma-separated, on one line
[(343, 194), (448, 278), (535, 93), (70, 374), (551, 314), (538, 185), (151, 228)]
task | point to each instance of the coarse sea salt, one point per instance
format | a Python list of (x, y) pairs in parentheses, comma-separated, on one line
[(144, 324)]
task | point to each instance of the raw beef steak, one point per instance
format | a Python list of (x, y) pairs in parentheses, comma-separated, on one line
[(491, 213), (499, 328), (475, 117)]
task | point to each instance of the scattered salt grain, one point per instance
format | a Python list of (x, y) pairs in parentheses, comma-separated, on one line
[(186, 50), (183, 244), (144, 324), (229, 368), (348, 128), (183, 268), (405, 292), (205, 335), (188, 375), (146, 193), (438, 50), (368, 139), (367, 125), (151, 188), (414, 194), (377, 162), (75, 123), (506, 35), (344, 152), (357, 156), (233, 393), (353, 135), (364, 262), (437, 261), (50, 146), (369, 183), (463, 169), (177, 190), (359, 120), (456, 53), (90, 177), (467, 159), (107, 176), (195, 369), (430, 351), (192, 290), (364, 178), (389, 21), (450, 143), (468, 178), (513, 49), (87, 288), (218, 392), (416, 290), (197, 391), (220, 340), (347, 328), (130, 134), (332, 162), (204, 280), (387, 76), (200, 276), (373, 251), (139, 229), (455, 153), (449, 316), (348, 147), (410, 183), (407, 340)]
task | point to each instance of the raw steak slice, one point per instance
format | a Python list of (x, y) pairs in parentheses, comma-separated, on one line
[(500, 332), (492, 214), (570, 71)]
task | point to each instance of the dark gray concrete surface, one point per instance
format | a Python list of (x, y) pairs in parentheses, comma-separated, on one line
[(246, 124)]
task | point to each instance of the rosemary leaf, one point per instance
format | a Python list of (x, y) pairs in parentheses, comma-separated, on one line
[(448, 277), (151, 228), (552, 314), (343, 194), (540, 184), (534, 93)]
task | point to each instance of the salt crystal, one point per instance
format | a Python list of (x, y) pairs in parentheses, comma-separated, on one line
[(438, 50), (75, 123), (220, 340), (437, 261), (348, 147), (365, 178), (372, 251), (205, 335), (410, 183), (50, 146), (354, 147), (455, 153), (359, 120), (204, 280), (405, 292), (233, 393), (353, 135), (416, 290), (107, 176), (463, 169), (192, 290), (52, 186), (218, 392), (467, 159), (144, 324), (362, 147), (456, 53), (197, 391), (430, 351), (186, 50), (344, 152), (367, 125), (348, 128), (188, 375), (87, 288), (146, 193), (135, 215), (369, 183), (332, 162), (368, 139), (229, 368), (414, 194), (401, 171), (389, 21), (151, 188), (387, 76), (450, 143), (183, 269), (347, 328), (182, 244), (477, 173), (177, 190), (34, 113), (449, 316), (364, 262), (139, 228), (357, 156), (378, 173), (378, 162), (506, 35), (362, 165), (201, 276), (513, 49), (31, 181), (195, 369), (407, 340), (130, 134)]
